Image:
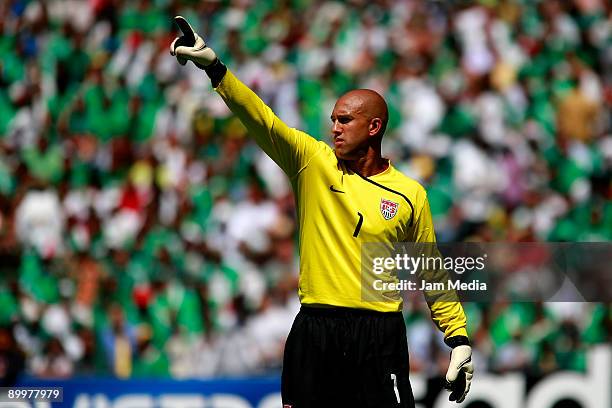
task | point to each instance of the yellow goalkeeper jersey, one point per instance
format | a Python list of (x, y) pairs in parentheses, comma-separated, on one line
[(339, 210)]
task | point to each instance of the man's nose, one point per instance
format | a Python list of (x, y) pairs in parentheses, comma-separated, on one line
[(336, 128)]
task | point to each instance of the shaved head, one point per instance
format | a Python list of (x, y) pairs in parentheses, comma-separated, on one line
[(359, 120), (369, 103)]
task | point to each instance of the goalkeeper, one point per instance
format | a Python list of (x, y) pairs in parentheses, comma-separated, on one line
[(342, 351)]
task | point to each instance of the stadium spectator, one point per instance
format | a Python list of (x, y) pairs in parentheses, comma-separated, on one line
[(12, 359), (119, 340)]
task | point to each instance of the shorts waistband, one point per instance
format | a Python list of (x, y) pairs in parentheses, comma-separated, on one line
[(338, 311)]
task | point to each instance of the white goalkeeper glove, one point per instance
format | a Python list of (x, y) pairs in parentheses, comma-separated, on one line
[(191, 47), (460, 373)]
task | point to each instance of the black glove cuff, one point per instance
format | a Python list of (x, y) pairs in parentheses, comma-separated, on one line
[(215, 71), (455, 341)]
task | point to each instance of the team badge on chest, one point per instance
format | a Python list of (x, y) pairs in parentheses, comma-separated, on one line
[(388, 208)]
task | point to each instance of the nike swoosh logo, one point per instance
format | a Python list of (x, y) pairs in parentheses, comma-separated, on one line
[(334, 190)]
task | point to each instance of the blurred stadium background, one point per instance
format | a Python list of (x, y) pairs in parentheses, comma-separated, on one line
[(143, 236)]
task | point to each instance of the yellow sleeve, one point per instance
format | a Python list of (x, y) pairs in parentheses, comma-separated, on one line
[(446, 310), (290, 148)]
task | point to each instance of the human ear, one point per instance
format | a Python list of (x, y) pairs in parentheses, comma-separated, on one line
[(375, 126)]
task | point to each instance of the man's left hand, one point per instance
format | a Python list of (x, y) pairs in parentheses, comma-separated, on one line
[(460, 373)]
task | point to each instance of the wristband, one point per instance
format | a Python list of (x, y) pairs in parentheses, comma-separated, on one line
[(216, 71), (455, 341)]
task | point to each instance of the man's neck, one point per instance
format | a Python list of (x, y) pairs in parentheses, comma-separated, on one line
[(368, 165)]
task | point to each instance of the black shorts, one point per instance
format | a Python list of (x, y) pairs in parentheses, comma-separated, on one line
[(346, 358)]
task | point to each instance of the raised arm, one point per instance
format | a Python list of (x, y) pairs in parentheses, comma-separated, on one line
[(291, 149)]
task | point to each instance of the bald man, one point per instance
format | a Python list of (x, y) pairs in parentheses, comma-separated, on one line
[(343, 350)]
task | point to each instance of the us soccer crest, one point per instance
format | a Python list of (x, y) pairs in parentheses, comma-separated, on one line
[(388, 208)]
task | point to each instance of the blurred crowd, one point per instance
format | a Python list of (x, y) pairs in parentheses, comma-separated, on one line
[(143, 234)]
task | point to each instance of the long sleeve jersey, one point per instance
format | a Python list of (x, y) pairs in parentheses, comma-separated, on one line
[(339, 210)]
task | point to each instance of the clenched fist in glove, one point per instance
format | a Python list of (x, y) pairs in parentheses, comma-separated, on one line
[(460, 372)]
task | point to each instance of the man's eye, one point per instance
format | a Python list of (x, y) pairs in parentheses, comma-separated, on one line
[(344, 120)]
